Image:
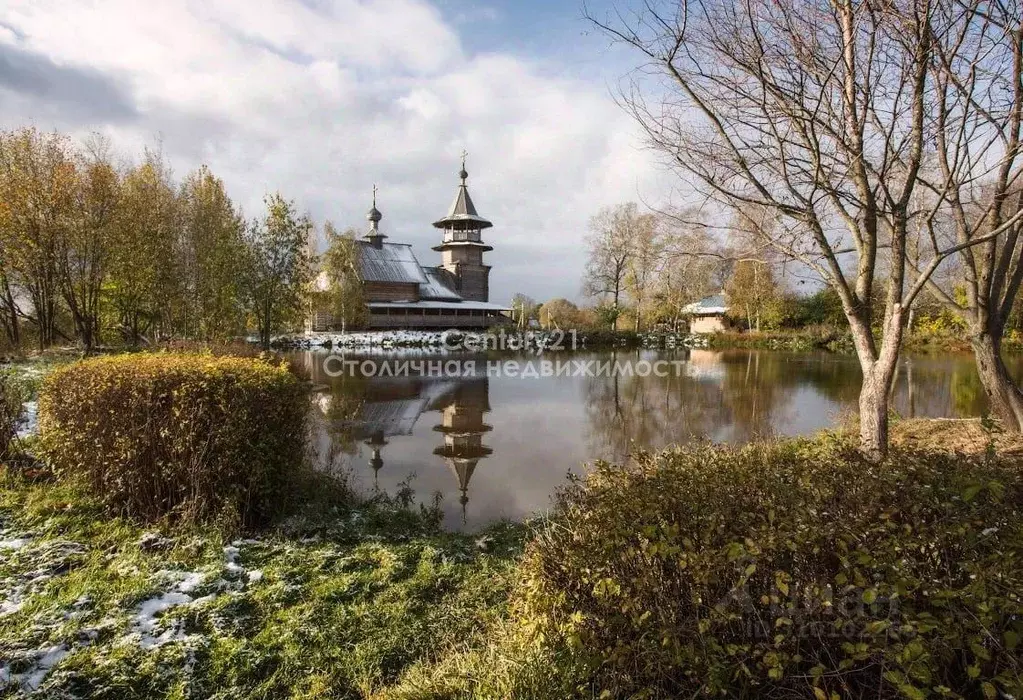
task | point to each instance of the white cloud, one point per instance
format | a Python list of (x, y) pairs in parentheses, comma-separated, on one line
[(322, 99)]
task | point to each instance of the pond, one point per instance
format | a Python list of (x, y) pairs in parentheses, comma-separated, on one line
[(496, 444)]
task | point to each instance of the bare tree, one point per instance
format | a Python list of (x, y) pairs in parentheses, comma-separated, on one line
[(613, 232), (820, 114), (977, 78), (526, 309), (643, 265)]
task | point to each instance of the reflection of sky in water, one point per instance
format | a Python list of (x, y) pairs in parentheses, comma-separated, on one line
[(510, 441)]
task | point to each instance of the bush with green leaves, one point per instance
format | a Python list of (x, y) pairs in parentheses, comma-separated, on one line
[(793, 570), (189, 437)]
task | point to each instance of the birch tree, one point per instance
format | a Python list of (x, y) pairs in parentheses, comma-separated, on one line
[(345, 297), (142, 266), (643, 265), (751, 290), (210, 258), (819, 114), (278, 267), (83, 252), (37, 186), (690, 266), (9, 311)]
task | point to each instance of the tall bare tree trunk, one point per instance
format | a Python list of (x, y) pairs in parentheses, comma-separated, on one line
[(1004, 398), (878, 367)]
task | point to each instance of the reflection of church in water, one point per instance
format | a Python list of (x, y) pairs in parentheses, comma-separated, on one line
[(392, 409)]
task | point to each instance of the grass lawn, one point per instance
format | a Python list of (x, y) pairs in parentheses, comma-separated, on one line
[(337, 602)]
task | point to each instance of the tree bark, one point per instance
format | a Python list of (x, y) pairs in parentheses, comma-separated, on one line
[(1004, 398), (873, 405), (878, 366)]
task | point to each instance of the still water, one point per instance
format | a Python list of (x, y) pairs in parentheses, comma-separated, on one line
[(495, 446)]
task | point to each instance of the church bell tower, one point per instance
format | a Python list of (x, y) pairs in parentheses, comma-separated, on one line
[(462, 248)]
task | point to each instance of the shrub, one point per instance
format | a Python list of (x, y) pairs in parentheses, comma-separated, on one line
[(192, 437), (793, 570), (12, 396)]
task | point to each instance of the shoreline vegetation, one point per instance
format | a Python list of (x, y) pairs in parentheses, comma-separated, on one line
[(803, 340), (343, 596)]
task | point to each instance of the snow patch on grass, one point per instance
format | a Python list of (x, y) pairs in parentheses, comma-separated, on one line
[(148, 619), (149, 622), (42, 660), (435, 340)]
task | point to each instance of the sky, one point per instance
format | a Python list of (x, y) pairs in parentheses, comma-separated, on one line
[(322, 99)]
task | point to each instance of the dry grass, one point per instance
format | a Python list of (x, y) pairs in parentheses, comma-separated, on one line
[(966, 435)]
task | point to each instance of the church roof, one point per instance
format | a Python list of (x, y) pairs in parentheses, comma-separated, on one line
[(463, 212), (390, 262), (439, 285)]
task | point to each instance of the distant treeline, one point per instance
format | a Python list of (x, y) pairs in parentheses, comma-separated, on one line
[(818, 313)]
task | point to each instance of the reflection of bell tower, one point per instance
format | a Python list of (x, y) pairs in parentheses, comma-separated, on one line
[(463, 428), (376, 443)]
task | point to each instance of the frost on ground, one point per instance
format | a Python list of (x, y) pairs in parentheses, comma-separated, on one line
[(332, 599), (32, 563), (454, 340), (27, 668), (148, 624), (151, 624), (437, 340)]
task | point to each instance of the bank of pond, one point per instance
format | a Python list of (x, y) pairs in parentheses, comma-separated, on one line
[(174, 532)]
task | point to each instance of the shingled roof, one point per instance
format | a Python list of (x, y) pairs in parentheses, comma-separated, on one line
[(440, 285), (390, 262), (463, 212), (710, 306)]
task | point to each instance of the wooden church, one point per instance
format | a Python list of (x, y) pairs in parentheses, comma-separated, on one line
[(402, 293)]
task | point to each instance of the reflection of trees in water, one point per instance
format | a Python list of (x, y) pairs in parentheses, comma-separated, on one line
[(756, 392), (624, 412), (335, 411), (717, 396), (734, 396), (968, 393), (930, 387), (738, 396)]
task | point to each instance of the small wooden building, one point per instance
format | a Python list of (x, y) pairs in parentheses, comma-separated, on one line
[(709, 315)]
